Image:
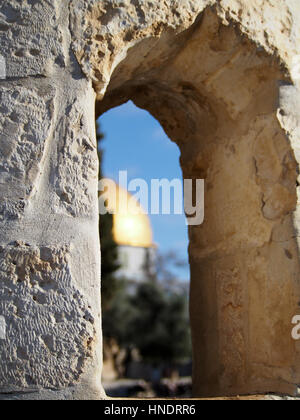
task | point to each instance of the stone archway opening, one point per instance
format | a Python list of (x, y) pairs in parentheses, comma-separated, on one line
[(145, 315), (217, 95)]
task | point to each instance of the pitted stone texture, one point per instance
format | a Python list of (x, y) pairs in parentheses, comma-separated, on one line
[(217, 74), (49, 327), (76, 170), (104, 31), (26, 113), (276, 168), (32, 36)]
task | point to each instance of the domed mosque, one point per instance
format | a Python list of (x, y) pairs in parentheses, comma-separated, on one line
[(132, 231)]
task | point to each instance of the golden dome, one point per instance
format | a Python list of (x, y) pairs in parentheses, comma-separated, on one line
[(131, 225)]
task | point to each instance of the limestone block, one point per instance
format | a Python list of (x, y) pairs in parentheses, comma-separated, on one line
[(26, 113), (76, 171), (33, 36), (50, 333)]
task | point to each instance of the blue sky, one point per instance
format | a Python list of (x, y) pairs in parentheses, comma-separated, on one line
[(135, 141)]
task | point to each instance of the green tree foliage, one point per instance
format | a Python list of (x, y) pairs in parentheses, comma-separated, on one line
[(154, 320), (161, 324), (109, 249), (118, 318)]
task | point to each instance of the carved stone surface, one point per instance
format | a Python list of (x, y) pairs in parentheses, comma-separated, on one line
[(222, 77)]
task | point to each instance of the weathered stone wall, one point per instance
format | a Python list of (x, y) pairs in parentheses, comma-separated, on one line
[(221, 77), (50, 257)]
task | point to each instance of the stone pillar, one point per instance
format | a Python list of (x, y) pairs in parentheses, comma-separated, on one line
[(50, 340), (245, 267)]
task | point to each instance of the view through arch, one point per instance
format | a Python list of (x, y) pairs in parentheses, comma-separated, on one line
[(147, 343)]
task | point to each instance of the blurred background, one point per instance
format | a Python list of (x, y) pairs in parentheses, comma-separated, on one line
[(145, 269)]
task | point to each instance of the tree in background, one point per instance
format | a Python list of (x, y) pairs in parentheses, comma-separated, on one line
[(160, 324), (109, 248), (153, 320)]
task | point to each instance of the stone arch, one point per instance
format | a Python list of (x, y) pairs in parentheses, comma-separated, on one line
[(222, 79), (218, 97)]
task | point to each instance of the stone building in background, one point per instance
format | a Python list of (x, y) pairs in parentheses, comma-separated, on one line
[(222, 77)]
